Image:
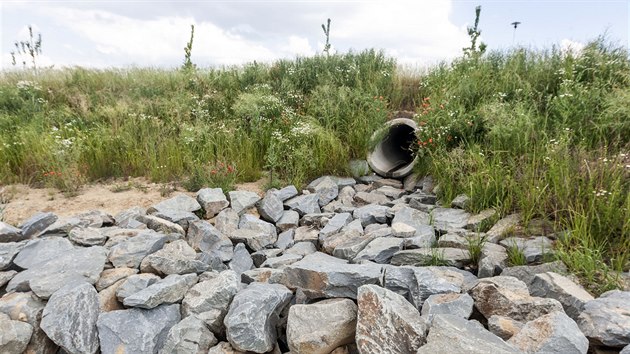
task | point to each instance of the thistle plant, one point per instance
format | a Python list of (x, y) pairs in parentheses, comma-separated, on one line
[(327, 34), (474, 33), (188, 65), (31, 47)]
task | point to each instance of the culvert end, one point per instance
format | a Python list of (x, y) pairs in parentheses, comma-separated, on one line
[(394, 155)]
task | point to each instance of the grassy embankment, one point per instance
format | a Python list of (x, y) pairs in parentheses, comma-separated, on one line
[(544, 133)]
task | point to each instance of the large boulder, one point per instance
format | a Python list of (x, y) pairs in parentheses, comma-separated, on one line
[(70, 316), (304, 204), (551, 333), (448, 304), (371, 214), (493, 260), (572, 296), (130, 252), (176, 257), (136, 330), (212, 200), (606, 320), (166, 291), (209, 300), (335, 224), (325, 188), (135, 283), (158, 224), (8, 251), (380, 250), (179, 202), (9, 233), (253, 315), (242, 260), (526, 273), (190, 336), (204, 237), (270, 207), (88, 236), (41, 250), (387, 323), (254, 239), (445, 219), (14, 335), (26, 307), (406, 217), (240, 201), (37, 224), (534, 249), (321, 327), (427, 256)]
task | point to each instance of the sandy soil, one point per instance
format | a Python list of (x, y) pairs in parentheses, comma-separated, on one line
[(24, 201)]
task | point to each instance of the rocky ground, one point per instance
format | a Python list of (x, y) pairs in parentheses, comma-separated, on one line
[(369, 265)]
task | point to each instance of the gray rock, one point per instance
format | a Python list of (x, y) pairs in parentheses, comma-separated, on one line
[(306, 234), (534, 249), (263, 275), (286, 193), (41, 250), (131, 252), (448, 304), (179, 202), (453, 334), (160, 225), (8, 251), (391, 192), (477, 221), (572, 296), (371, 214), (388, 182), (380, 250), (240, 201), (429, 281), (5, 277), (212, 200), (412, 182), (87, 236), (335, 224), (227, 221), (204, 237), (346, 244), (503, 227), (176, 257), (527, 273), (254, 239), (242, 261), (625, 350), (14, 335), (136, 330), (504, 327), (301, 248), (26, 307), (452, 240), (371, 198), (419, 221), (321, 327), (606, 320), (368, 179), (325, 188), (445, 219), (179, 217), (10, 233), (189, 336), (319, 275), (127, 217), (36, 224), (318, 220), (251, 222), (400, 229), (358, 168), (209, 300), (432, 256), (79, 264), (508, 296), (551, 333), (353, 225), (251, 320), (259, 257), (135, 283), (387, 323), (166, 291), (289, 219), (270, 207), (461, 201), (304, 204), (110, 276), (493, 260), (281, 261), (70, 316)]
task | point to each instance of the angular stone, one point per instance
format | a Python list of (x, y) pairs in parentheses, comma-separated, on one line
[(371, 198), (452, 240), (461, 201), (286, 193), (380, 250), (318, 220), (209, 300), (335, 224), (403, 230), (189, 336), (448, 304), (107, 299), (387, 323), (445, 219), (10, 233), (319, 275), (289, 219), (36, 224), (454, 334), (212, 200), (166, 291), (572, 296), (428, 256), (281, 261), (419, 221), (625, 350), (259, 257), (371, 214), (306, 234), (508, 296), (263, 275), (551, 333), (87, 236), (136, 330), (304, 204), (606, 320), (255, 239), (227, 221), (270, 207), (126, 216), (26, 307), (179, 202), (302, 249), (250, 222), (493, 260), (41, 250), (251, 320), (70, 316), (160, 225), (321, 327), (391, 192), (5, 277), (179, 217), (132, 251), (111, 276), (134, 284), (242, 261), (503, 227), (204, 237), (527, 273), (353, 225), (8, 251), (475, 222), (388, 182), (176, 257), (534, 249), (240, 201), (346, 243), (325, 188), (14, 335), (504, 327), (79, 264)]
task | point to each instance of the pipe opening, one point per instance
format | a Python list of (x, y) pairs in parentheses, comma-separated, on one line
[(394, 155)]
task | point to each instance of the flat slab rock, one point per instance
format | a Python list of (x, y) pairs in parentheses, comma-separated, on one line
[(606, 320)]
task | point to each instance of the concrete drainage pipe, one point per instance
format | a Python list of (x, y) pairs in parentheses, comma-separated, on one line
[(393, 156)]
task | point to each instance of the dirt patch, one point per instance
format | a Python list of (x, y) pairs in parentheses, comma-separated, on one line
[(24, 201)]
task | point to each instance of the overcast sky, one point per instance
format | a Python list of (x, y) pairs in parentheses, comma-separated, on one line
[(154, 33)]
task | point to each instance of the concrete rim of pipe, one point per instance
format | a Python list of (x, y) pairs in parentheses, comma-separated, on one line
[(393, 156)]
